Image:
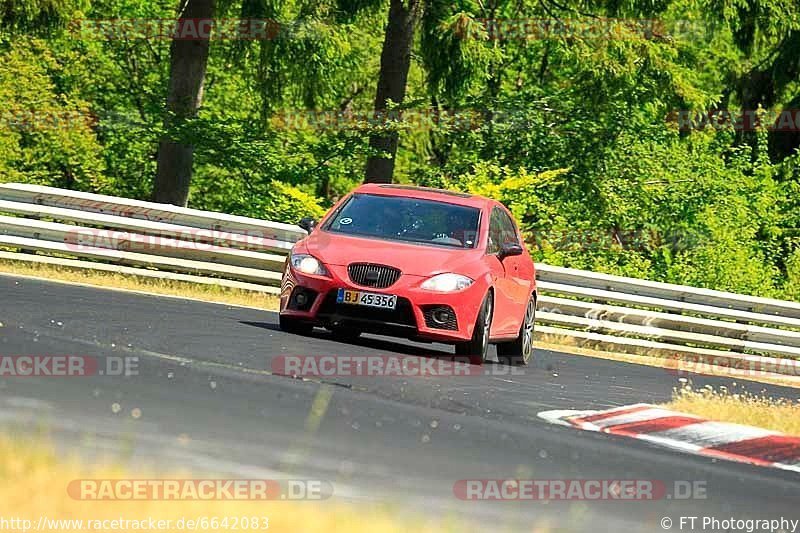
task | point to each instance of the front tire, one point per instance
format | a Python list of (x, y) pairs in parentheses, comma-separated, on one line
[(477, 348), (520, 350), (295, 326)]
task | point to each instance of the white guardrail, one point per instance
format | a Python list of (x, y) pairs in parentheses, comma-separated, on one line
[(83, 230)]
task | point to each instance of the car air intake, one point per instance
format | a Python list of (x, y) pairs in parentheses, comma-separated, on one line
[(370, 275), (440, 317)]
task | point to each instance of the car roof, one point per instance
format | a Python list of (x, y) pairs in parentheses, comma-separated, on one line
[(425, 193)]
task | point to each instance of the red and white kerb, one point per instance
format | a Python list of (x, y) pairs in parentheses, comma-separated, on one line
[(689, 433)]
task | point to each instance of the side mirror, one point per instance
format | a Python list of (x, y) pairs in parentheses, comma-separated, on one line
[(307, 223), (509, 249)]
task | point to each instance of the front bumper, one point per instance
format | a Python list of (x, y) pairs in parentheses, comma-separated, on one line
[(414, 316)]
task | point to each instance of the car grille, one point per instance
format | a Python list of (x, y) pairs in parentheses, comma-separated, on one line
[(371, 275)]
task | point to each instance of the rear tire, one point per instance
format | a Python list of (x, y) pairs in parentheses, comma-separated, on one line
[(477, 348), (520, 350), (293, 325)]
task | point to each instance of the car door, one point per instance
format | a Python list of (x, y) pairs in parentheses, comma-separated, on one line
[(517, 271), (503, 318)]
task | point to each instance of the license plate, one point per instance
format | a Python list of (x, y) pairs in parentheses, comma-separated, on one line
[(370, 299)]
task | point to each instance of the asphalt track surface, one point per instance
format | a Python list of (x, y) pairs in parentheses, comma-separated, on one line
[(209, 403)]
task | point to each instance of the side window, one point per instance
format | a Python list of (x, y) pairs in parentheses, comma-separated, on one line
[(495, 232), (508, 228)]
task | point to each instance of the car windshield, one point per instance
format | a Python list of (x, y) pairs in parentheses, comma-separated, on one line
[(407, 219)]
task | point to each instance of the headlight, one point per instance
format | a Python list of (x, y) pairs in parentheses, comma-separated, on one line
[(447, 283), (308, 264)]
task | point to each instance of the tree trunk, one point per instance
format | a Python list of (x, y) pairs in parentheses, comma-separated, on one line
[(395, 62), (188, 60)]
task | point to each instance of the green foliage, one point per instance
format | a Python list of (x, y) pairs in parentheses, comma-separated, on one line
[(289, 204), (46, 136), (38, 15), (792, 284), (218, 190)]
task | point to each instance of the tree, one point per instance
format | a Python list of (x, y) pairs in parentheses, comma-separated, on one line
[(188, 61), (38, 17), (767, 40), (307, 57), (392, 79)]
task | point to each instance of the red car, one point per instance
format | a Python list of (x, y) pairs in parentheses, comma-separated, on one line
[(413, 262)]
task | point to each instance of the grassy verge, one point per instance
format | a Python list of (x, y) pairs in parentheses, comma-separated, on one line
[(720, 405), (34, 481), (113, 280)]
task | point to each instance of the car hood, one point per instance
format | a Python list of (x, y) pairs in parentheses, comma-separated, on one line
[(413, 259)]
